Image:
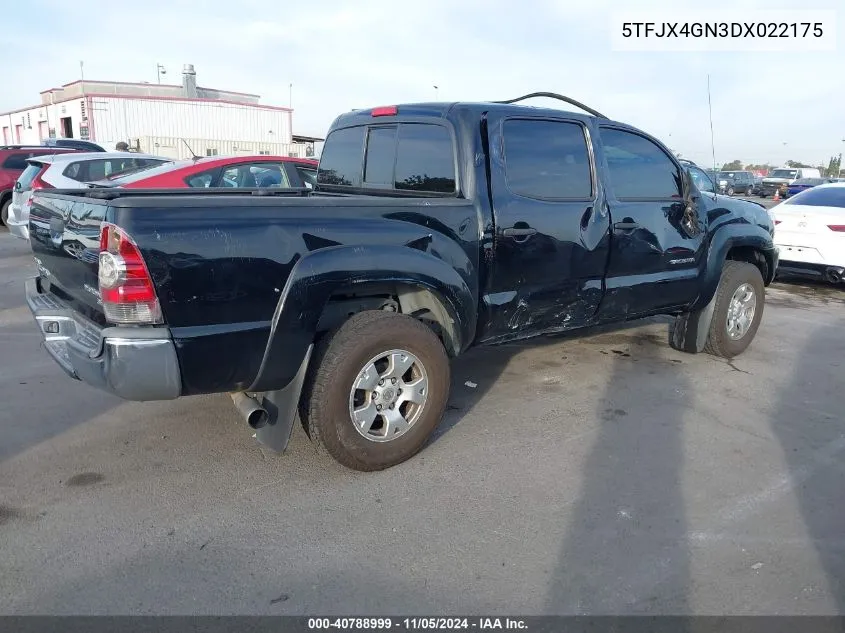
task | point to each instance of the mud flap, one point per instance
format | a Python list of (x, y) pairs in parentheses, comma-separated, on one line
[(690, 330), (281, 406)]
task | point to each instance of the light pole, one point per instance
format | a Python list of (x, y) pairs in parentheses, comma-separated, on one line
[(436, 93), (160, 70)]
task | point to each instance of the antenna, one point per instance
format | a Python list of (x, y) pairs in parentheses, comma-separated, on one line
[(710, 108), (193, 155)]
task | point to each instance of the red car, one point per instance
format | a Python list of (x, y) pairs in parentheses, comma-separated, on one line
[(224, 171)]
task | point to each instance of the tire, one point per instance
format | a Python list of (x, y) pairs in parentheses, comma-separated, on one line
[(339, 362), (4, 213), (730, 191), (735, 275)]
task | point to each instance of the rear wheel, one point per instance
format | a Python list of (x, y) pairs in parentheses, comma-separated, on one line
[(4, 212), (738, 310), (377, 390)]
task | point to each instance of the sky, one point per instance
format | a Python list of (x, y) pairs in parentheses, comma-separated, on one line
[(767, 107)]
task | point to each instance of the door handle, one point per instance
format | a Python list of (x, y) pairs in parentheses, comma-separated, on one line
[(514, 232), (626, 226)]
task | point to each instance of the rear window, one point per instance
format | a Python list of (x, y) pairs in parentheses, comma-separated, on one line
[(308, 175), (415, 157), (29, 174), (16, 161), (820, 197)]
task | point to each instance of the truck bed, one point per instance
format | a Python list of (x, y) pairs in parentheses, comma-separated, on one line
[(221, 260)]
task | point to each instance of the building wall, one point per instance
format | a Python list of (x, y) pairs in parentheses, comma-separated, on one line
[(107, 120), (173, 147), (76, 89), (35, 123), (126, 119)]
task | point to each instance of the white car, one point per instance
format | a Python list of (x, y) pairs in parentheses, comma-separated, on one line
[(69, 171), (810, 232)]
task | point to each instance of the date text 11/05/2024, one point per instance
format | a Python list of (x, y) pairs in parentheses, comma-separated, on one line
[(413, 624)]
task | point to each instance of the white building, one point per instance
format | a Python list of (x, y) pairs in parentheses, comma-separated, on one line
[(168, 120)]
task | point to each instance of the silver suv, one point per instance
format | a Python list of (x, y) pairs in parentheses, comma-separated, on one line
[(69, 171)]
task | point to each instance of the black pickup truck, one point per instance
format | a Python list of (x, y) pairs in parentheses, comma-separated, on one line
[(433, 228)]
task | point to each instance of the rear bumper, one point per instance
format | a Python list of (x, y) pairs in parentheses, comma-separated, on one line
[(132, 363), (18, 225)]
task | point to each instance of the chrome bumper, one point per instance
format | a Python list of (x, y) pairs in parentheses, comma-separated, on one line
[(18, 226), (132, 363)]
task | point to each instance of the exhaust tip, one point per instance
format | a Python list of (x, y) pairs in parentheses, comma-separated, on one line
[(254, 414), (257, 418)]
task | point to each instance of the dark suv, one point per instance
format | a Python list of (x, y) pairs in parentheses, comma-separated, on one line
[(737, 182), (73, 143), (12, 163)]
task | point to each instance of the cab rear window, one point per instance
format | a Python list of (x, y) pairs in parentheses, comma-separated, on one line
[(412, 157)]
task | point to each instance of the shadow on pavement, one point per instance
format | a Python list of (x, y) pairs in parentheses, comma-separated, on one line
[(484, 366), (809, 423), (625, 550), (37, 399)]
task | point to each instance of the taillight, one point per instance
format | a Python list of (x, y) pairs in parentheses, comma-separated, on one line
[(126, 287), (777, 222), (839, 228), (37, 183)]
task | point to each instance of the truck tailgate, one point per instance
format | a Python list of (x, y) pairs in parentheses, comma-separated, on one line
[(65, 239)]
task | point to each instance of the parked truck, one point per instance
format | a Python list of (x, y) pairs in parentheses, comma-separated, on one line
[(433, 228)]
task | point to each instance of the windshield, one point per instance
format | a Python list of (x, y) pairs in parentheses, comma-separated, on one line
[(784, 173), (820, 197), (28, 175)]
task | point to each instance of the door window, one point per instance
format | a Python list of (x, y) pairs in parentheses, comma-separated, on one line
[(639, 168), (251, 175), (547, 160)]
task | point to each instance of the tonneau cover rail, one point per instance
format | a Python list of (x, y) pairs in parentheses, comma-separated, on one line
[(111, 193)]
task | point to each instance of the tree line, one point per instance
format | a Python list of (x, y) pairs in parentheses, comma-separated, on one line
[(833, 169)]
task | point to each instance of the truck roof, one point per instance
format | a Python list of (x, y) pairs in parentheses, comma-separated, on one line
[(443, 109)]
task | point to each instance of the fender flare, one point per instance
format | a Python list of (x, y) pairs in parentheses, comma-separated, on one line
[(724, 239), (317, 275)]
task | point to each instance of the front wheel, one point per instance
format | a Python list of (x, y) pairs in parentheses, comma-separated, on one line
[(4, 213), (738, 310), (377, 390), (731, 191)]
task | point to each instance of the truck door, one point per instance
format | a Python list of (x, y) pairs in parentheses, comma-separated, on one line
[(657, 240), (551, 237)]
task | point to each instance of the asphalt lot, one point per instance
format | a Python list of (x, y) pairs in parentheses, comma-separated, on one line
[(609, 474)]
